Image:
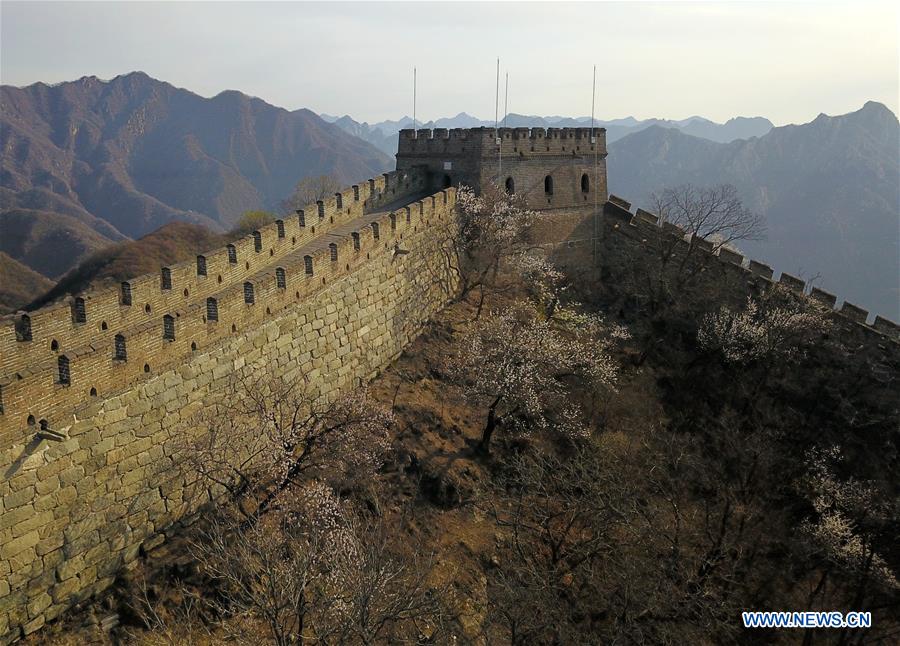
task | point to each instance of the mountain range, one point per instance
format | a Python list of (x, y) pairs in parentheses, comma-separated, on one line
[(90, 162), (829, 191), (384, 134)]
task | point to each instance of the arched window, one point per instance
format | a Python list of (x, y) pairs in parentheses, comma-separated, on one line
[(79, 314), (510, 185), (65, 376), (355, 236), (375, 230), (548, 185), (166, 278), (201, 265), (585, 183), (212, 309), (121, 352), (447, 181), (168, 327), (257, 241), (280, 278), (126, 293), (332, 247), (248, 293), (301, 218), (280, 225), (23, 328), (307, 265), (232, 254)]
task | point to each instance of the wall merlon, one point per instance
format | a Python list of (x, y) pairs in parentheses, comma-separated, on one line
[(886, 326), (761, 269), (646, 217), (618, 201), (825, 298), (730, 256), (854, 313), (703, 244), (792, 282)]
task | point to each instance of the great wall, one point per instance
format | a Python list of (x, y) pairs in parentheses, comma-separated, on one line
[(96, 390)]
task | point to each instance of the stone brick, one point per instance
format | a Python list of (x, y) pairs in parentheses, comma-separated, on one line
[(19, 545)]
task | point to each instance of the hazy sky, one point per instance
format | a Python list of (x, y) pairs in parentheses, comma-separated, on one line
[(785, 61)]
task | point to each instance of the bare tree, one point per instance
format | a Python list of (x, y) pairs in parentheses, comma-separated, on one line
[(309, 190), (268, 434), (715, 213), (522, 367), (707, 220), (311, 569), (564, 517), (491, 227)]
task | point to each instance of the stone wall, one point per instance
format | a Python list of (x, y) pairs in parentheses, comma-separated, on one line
[(74, 511), (82, 331), (627, 238)]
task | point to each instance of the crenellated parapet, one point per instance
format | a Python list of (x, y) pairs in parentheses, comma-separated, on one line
[(487, 142), (90, 344), (642, 224)]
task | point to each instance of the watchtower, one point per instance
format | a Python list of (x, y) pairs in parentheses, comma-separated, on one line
[(556, 168)]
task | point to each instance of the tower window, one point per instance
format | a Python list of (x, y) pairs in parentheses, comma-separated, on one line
[(257, 241), (79, 314), (393, 221), (280, 226), (307, 265), (321, 206), (232, 254), (548, 185), (301, 217), (126, 293), (280, 278), (168, 328), (339, 200), (23, 328), (201, 265), (248, 293), (355, 236), (375, 230), (510, 185), (166, 278), (65, 376), (585, 183), (121, 352), (333, 249), (212, 309)]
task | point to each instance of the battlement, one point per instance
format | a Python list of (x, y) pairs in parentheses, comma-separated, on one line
[(488, 142), (86, 345), (643, 224)]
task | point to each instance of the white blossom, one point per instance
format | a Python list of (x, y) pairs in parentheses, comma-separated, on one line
[(775, 325)]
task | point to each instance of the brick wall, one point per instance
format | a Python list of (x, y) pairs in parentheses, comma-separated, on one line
[(74, 512)]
